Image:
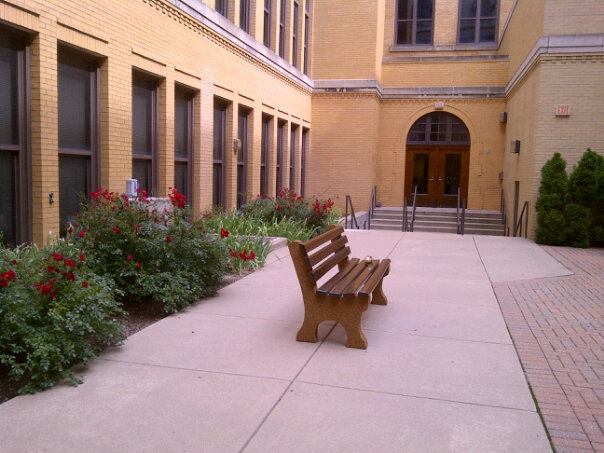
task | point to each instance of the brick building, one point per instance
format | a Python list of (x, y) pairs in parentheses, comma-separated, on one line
[(228, 99)]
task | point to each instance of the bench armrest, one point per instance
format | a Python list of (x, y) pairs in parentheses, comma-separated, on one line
[(377, 276)]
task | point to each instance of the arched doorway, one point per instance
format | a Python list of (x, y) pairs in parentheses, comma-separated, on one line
[(438, 160)]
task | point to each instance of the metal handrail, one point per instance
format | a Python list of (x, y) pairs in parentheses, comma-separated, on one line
[(372, 202), (414, 207), (518, 226), (504, 215), (458, 210), (405, 215), (353, 217), (464, 205)]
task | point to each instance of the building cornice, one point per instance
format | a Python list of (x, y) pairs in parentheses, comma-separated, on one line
[(221, 26), (559, 45)]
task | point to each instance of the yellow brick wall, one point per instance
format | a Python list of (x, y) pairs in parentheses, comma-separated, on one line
[(183, 52), (573, 16)]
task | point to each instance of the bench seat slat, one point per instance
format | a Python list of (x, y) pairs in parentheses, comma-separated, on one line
[(327, 286), (329, 263), (345, 281), (323, 238), (382, 269), (357, 283), (326, 251)]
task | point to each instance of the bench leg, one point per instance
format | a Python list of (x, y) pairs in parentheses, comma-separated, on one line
[(355, 338), (309, 330), (378, 296)]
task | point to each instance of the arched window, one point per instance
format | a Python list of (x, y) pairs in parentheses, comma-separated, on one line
[(439, 128)]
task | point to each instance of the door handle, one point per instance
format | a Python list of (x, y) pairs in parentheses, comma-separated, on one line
[(430, 179), (440, 179)]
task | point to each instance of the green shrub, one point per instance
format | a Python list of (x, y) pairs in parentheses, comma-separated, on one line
[(585, 188), (54, 313), (577, 219), (150, 252), (318, 215), (551, 219)]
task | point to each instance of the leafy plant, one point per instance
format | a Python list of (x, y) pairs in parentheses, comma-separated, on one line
[(551, 226), (586, 190), (54, 313), (151, 252)]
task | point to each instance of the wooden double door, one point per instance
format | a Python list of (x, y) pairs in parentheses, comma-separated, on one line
[(437, 172)]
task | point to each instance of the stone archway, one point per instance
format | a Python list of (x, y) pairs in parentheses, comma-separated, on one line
[(437, 160)]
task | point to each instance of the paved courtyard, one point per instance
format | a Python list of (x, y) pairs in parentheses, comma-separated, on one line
[(441, 372), (557, 325)]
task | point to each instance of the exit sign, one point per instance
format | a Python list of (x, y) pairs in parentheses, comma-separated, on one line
[(563, 110)]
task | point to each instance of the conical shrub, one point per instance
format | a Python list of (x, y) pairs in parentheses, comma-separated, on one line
[(551, 226)]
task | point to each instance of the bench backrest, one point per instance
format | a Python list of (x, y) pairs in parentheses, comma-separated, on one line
[(316, 257)]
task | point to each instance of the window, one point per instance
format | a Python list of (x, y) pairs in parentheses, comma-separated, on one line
[(280, 154), (415, 19), (264, 158), (306, 35), (305, 133), (439, 128), (144, 131), (220, 140), (244, 15), (268, 19), (478, 21), (295, 59), (282, 16), (183, 140), (292, 157), (78, 132), (14, 157), (222, 6), (242, 133)]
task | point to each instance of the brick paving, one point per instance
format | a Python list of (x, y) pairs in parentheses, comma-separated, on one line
[(557, 325)]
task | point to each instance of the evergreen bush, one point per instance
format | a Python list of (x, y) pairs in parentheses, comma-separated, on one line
[(551, 225)]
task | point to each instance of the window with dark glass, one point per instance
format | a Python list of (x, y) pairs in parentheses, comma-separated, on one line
[(282, 15), (222, 6), (78, 132), (183, 140), (268, 19), (306, 35), (220, 139), (14, 158), (144, 131), (280, 154), (439, 128), (305, 133), (415, 21), (478, 21), (244, 15), (264, 158), (242, 154), (293, 142), (295, 59)]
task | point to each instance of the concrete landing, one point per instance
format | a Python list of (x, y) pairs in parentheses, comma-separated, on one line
[(440, 373)]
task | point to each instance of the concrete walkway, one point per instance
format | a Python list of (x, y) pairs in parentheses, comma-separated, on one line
[(440, 373)]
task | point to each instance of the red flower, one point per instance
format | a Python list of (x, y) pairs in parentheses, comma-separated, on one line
[(143, 195), (116, 229), (3, 283), (82, 234), (85, 284), (82, 257), (70, 263), (57, 256), (14, 262), (70, 276), (252, 255), (46, 288), (51, 269), (224, 233), (139, 265), (178, 200), (169, 239), (129, 258)]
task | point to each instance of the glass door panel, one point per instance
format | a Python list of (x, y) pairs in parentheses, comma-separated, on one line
[(421, 167)]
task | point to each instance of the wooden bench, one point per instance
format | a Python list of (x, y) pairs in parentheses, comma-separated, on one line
[(343, 297)]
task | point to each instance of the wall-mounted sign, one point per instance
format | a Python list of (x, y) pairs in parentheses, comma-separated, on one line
[(439, 105), (563, 110)]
